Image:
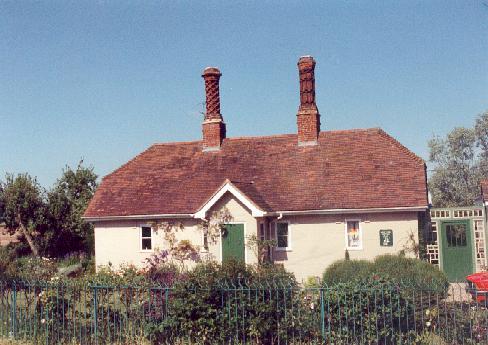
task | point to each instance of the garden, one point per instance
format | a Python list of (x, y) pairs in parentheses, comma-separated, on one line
[(391, 300)]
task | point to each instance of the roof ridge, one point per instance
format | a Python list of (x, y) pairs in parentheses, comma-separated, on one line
[(177, 143), (399, 145), (283, 135)]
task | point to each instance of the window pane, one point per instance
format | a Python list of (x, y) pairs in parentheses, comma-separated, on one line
[(146, 231), (282, 234), (205, 241), (261, 231), (456, 235), (353, 236), (146, 244)]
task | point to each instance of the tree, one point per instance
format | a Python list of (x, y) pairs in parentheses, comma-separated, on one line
[(50, 222), (23, 207), (67, 201), (460, 163)]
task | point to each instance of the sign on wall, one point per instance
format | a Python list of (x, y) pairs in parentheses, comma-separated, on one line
[(386, 238)]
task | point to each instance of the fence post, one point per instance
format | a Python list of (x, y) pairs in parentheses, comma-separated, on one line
[(95, 314), (13, 332), (322, 314)]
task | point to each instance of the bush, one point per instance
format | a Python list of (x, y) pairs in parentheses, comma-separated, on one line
[(6, 258), (409, 272), (344, 271), (203, 305), (126, 274), (406, 287), (31, 268), (371, 312)]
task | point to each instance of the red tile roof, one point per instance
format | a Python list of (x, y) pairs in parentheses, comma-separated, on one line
[(350, 169)]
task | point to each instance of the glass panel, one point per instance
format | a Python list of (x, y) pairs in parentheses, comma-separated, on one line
[(146, 244), (146, 231), (353, 236), (205, 241), (456, 235), (282, 234), (261, 231)]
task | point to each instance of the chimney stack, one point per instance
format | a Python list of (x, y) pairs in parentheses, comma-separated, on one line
[(213, 124), (308, 117)]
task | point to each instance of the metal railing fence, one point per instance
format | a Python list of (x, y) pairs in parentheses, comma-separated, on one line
[(243, 313)]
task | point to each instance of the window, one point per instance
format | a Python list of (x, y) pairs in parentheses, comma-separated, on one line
[(262, 234), (282, 236), (205, 240), (146, 238), (456, 235), (354, 236), (269, 231)]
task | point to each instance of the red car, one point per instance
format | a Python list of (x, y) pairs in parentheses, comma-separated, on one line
[(478, 286)]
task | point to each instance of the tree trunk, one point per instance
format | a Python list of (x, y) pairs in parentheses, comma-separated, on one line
[(29, 239)]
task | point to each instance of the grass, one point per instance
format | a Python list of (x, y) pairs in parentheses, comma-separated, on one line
[(13, 342)]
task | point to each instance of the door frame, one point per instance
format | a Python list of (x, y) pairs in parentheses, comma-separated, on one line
[(440, 239), (245, 241)]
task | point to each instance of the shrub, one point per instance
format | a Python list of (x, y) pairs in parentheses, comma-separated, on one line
[(126, 274), (344, 271), (6, 258), (203, 306), (370, 312), (166, 274), (411, 272), (31, 268), (406, 287)]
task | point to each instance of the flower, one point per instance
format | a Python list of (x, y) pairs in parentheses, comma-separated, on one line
[(43, 321)]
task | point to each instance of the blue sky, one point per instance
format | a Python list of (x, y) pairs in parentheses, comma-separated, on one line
[(103, 80)]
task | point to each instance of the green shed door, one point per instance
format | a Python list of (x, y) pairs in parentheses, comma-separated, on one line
[(233, 242), (457, 249)]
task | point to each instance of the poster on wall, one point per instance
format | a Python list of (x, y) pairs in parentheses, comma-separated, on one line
[(353, 235), (386, 238)]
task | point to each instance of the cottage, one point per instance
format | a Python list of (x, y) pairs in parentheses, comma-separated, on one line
[(315, 193)]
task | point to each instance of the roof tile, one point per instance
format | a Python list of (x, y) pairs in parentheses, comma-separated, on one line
[(350, 169)]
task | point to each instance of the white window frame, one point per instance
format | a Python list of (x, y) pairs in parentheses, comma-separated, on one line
[(360, 234), (288, 249), (141, 238)]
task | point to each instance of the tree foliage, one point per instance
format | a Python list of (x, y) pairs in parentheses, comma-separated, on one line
[(460, 163), (49, 221), (67, 202), (23, 207)]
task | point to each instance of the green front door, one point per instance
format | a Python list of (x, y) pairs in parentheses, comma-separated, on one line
[(233, 242), (457, 249)]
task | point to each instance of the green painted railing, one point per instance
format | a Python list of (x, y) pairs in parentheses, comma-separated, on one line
[(264, 313)]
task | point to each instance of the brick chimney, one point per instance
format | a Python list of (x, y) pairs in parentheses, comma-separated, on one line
[(213, 124), (308, 117)]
